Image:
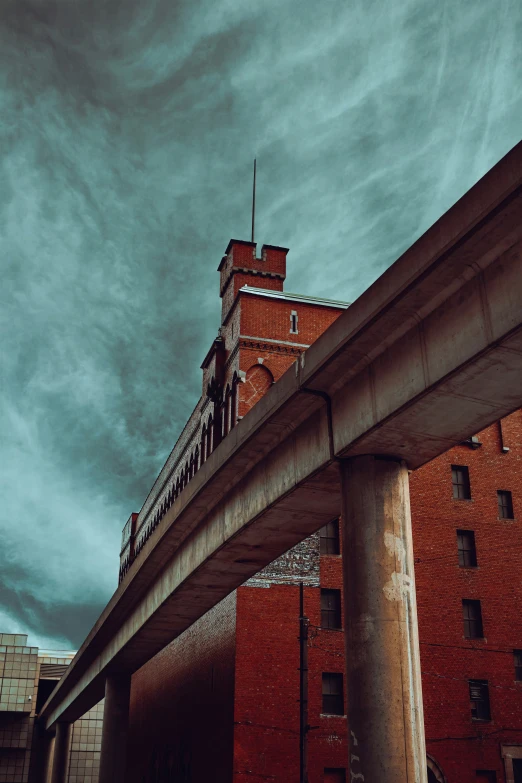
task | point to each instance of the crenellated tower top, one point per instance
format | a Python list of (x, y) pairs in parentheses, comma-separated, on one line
[(240, 266)]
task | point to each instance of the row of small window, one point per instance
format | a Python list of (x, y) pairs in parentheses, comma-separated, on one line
[(467, 550), (471, 616), (462, 491), (333, 696)]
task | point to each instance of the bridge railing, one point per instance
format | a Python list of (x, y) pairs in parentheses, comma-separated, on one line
[(209, 433)]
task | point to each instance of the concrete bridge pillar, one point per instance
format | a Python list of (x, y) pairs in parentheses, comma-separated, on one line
[(113, 757), (61, 752), (385, 714)]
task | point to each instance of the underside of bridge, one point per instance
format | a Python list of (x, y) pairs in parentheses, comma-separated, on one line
[(428, 355)]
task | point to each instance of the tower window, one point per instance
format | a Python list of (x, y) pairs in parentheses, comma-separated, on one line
[(479, 700), (486, 776), (333, 702), (329, 538), (331, 609), (517, 654), (472, 617), (293, 322), (460, 482), (505, 504), (466, 547)]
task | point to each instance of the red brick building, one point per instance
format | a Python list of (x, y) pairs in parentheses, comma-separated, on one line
[(222, 702)]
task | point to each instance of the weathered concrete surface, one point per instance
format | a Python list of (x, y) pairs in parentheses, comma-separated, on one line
[(115, 729), (61, 752), (385, 711), (428, 355)]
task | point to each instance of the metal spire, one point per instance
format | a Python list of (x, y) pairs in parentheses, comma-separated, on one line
[(254, 201)]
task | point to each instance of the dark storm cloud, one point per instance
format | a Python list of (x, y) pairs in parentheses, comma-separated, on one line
[(128, 131)]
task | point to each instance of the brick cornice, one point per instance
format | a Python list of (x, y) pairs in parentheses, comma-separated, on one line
[(267, 347), (244, 271)]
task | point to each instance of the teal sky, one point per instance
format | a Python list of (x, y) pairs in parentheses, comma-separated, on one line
[(128, 131)]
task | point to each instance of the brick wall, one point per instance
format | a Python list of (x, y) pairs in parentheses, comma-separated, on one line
[(267, 679), (181, 712), (448, 660), (266, 317), (266, 710)]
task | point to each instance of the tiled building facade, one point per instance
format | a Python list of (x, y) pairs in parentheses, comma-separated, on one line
[(27, 677), (222, 701)]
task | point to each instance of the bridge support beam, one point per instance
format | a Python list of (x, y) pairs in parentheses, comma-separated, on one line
[(61, 752), (385, 714), (113, 756)]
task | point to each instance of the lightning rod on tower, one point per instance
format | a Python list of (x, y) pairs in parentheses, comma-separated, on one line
[(254, 201)]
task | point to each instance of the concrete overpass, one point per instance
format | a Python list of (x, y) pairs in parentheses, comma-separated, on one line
[(430, 354)]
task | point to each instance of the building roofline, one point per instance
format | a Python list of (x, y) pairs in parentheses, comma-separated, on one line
[(277, 247), (239, 242), (315, 300), (250, 244)]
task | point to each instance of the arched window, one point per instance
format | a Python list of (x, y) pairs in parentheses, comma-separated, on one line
[(209, 436), (258, 381), (196, 459), (226, 411), (233, 401), (203, 444)]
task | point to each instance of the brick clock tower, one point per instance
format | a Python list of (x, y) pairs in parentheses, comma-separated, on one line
[(223, 701)]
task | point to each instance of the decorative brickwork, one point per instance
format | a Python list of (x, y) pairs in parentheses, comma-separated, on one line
[(299, 564)]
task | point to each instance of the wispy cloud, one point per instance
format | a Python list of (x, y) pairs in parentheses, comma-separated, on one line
[(127, 133)]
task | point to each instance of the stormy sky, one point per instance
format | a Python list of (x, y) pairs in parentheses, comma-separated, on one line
[(128, 131)]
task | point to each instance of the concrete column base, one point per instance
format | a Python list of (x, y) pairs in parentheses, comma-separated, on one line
[(113, 757), (385, 713), (62, 748)]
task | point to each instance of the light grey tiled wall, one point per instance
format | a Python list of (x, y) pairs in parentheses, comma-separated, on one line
[(19, 675), (18, 689)]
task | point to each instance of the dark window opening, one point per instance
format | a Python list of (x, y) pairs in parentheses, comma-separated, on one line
[(329, 538), (460, 482), (293, 322), (472, 617), (517, 654), (517, 770), (45, 688), (486, 776), (479, 700), (331, 609), (467, 549), (337, 775), (473, 442), (505, 504), (333, 702)]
